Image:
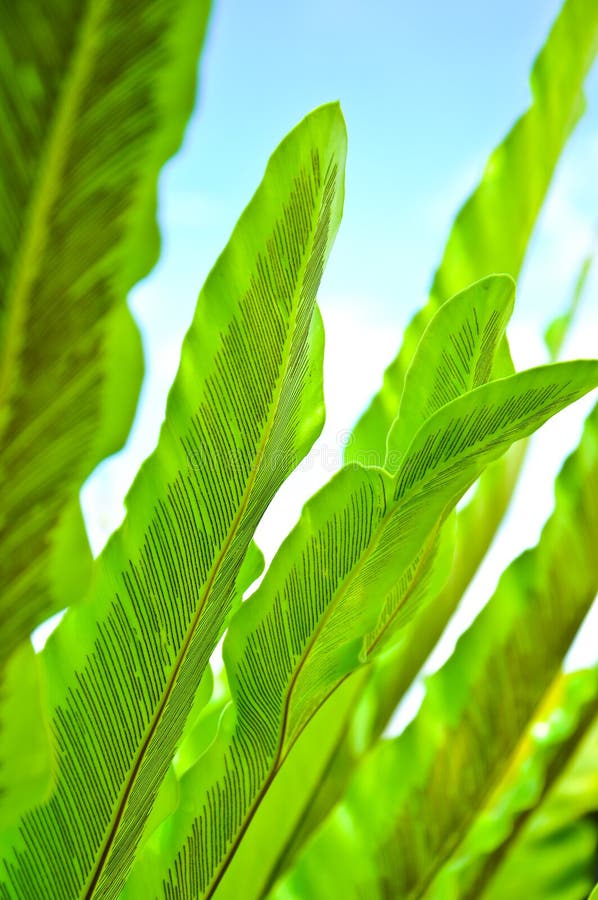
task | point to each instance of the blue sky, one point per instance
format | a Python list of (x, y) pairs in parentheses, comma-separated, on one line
[(427, 90)]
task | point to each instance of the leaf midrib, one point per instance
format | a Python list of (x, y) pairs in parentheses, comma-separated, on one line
[(45, 192), (427, 550), (105, 852), (279, 757)]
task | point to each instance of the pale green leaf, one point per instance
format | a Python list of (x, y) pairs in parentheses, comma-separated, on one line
[(455, 355), (202, 724), (246, 405)]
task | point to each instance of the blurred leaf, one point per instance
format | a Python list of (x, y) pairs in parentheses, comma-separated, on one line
[(554, 853), (27, 764), (544, 752), (377, 690), (94, 98)]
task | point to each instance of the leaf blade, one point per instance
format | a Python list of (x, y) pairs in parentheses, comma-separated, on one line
[(467, 330)]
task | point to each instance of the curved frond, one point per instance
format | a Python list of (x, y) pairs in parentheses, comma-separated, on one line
[(465, 334), (391, 675), (491, 233)]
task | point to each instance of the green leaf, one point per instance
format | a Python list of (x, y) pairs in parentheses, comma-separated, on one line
[(390, 676), (296, 639), (371, 863), (476, 526), (466, 333), (213, 695), (415, 612), (493, 228), (245, 407), (421, 581), (288, 798), (477, 708), (456, 354), (471, 325), (94, 97)]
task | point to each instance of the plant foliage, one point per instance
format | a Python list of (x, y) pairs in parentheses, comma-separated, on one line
[(127, 768)]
